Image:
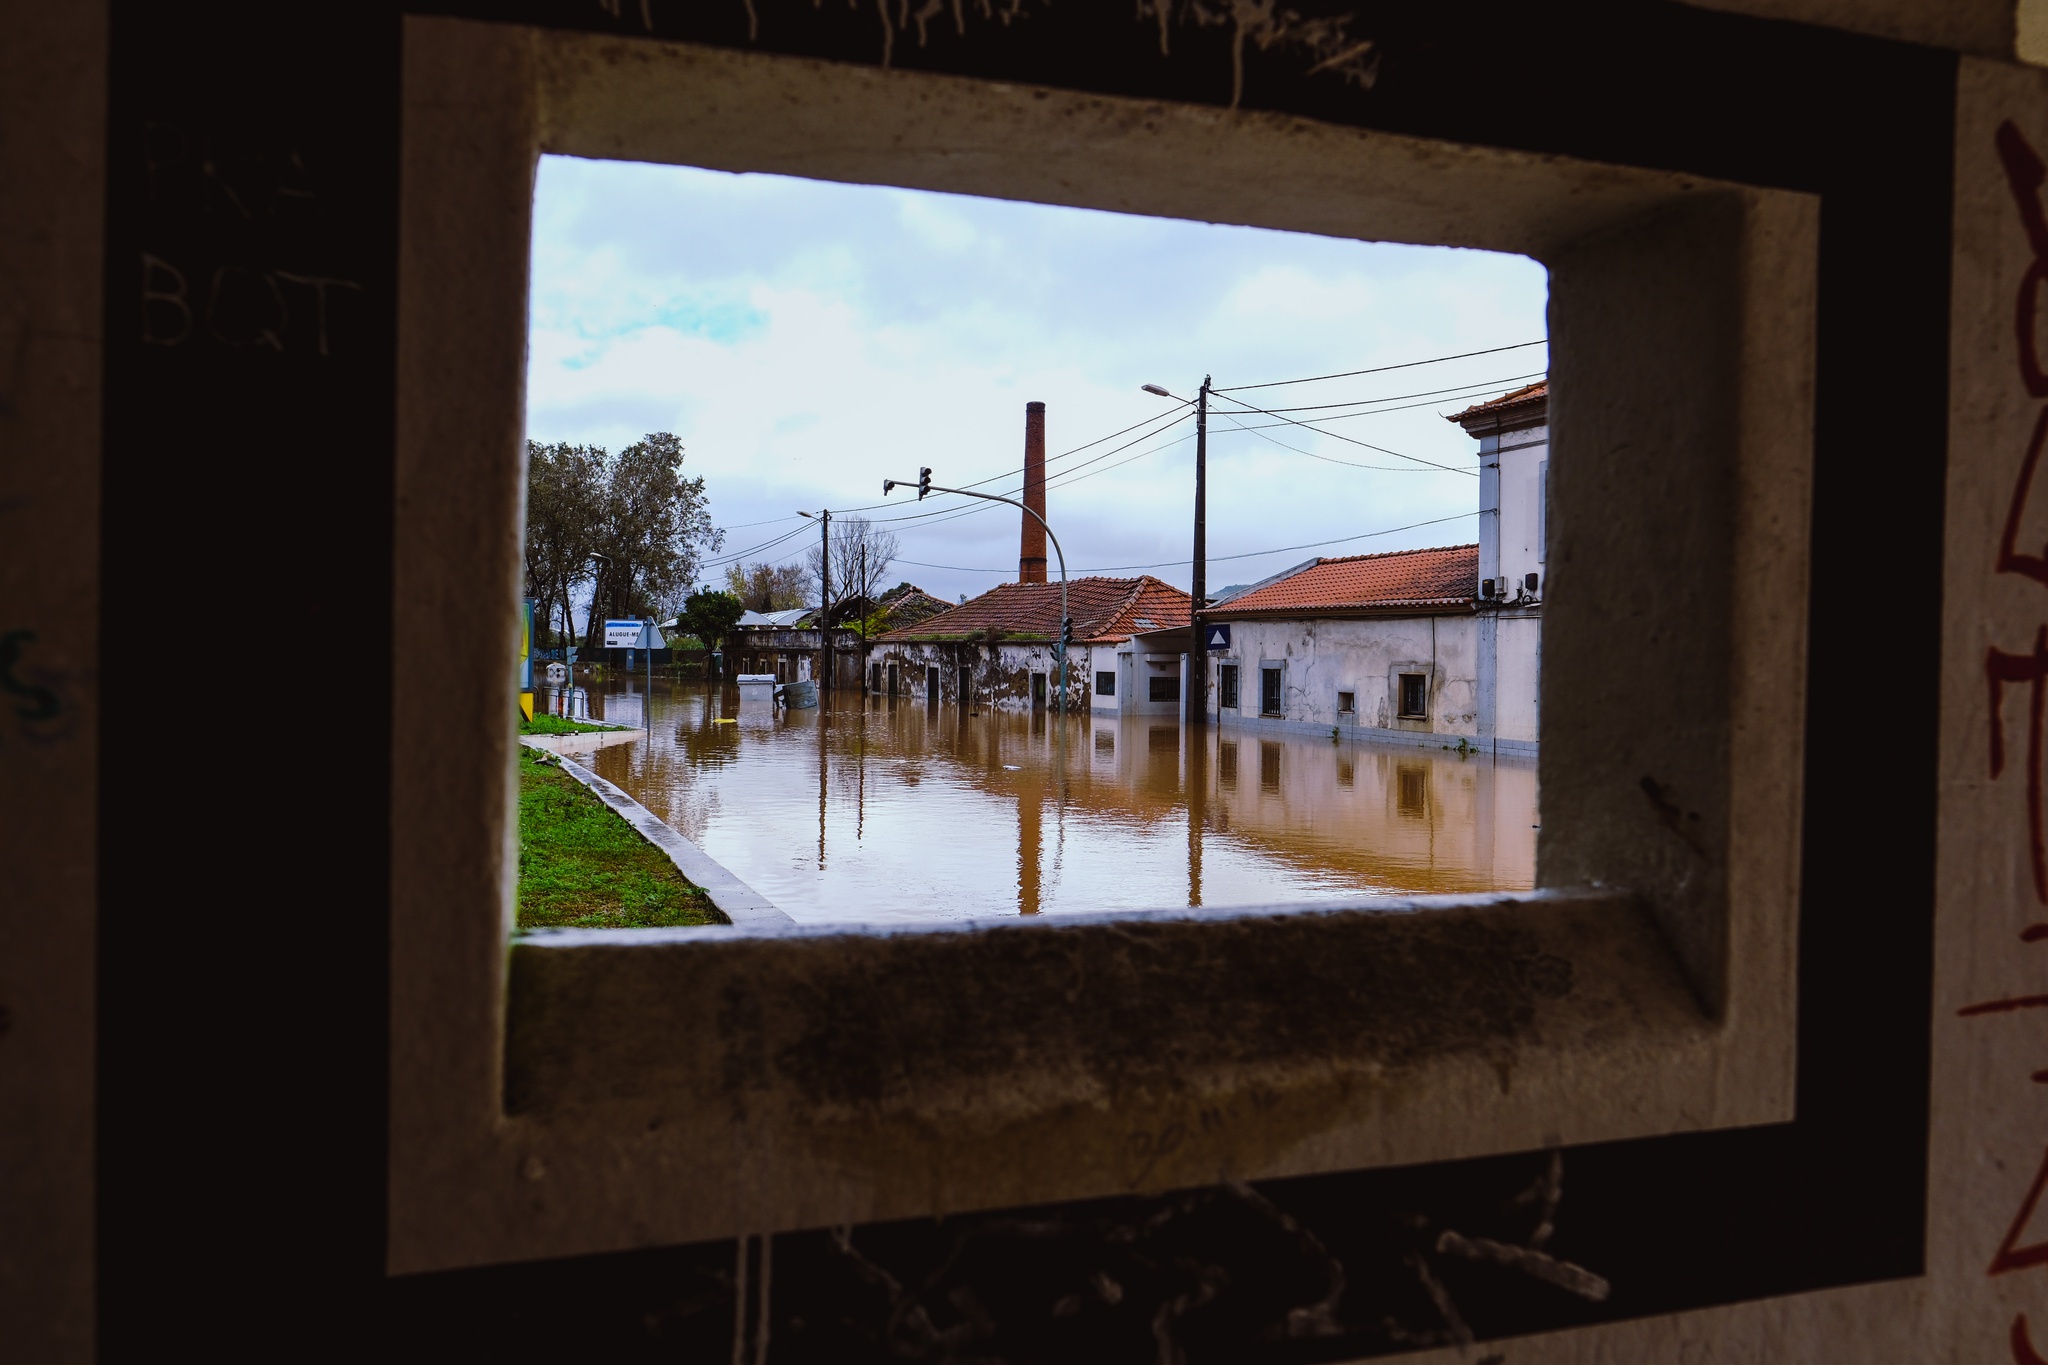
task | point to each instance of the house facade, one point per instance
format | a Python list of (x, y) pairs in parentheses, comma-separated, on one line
[(1001, 649), (1441, 647)]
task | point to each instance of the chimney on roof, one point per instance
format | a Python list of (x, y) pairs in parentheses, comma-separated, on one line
[(1031, 546)]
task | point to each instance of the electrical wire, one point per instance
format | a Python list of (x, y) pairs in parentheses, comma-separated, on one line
[(1382, 369), (1260, 432), (1339, 436), (1455, 389), (1212, 559)]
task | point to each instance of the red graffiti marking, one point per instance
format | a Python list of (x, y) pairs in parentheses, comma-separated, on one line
[(2011, 1255), (2025, 175), (2023, 1352), (2005, 1006)]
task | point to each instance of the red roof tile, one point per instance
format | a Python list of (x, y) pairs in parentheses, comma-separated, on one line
[(1443, 577), (1528, 396), (1105, 611)]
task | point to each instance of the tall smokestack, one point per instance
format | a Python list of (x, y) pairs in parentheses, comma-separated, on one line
[(1031, 548)]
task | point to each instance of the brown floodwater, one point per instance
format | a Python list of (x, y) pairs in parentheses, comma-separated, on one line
[(882, 809)]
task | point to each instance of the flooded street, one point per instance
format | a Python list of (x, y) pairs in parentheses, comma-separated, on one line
[(881, 809)]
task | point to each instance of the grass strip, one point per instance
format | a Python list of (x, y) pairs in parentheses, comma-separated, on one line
[(555, 725), (582, 866)]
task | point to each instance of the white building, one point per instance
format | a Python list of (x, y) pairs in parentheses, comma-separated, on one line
[(999, 649), (1441, 647)]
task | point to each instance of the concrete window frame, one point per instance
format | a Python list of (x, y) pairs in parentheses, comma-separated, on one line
[(719, 1082)]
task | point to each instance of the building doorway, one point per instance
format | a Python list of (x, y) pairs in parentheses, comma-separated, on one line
[(1038, 691)]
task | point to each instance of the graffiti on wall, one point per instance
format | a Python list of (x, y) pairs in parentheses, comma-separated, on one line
[(1313, 44), (2026, 173)]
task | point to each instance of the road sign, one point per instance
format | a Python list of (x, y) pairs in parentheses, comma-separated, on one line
[(1216, 634), (626, 634)]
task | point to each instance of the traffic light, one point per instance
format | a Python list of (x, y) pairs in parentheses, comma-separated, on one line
[(924, 482), (1066, 634)]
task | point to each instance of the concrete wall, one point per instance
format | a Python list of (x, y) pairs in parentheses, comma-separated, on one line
[(221, 1098), (1365, 657), (998, 675)]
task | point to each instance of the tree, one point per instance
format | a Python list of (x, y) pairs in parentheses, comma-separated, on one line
[(711, 616), (564, 491), (768, 587), (629, 526), (861, 555)]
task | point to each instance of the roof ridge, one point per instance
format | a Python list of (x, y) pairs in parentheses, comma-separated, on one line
[(1394, 554)]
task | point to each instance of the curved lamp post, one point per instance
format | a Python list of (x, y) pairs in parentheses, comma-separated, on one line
[(924, 485)]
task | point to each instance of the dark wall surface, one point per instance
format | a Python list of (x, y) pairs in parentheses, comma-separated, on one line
[(249, 448)]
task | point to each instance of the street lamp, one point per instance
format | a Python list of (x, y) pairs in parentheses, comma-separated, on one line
[(1198, 647), (923, 484)]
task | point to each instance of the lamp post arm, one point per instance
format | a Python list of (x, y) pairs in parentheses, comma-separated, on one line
[(889, 485)]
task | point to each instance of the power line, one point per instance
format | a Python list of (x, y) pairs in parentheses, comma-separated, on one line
[(1213, 559), (1426, 393), (1339, 436), (1260, 432), (1382, 369)]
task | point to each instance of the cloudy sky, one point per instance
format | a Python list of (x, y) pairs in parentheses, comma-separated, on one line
[(806, 340)]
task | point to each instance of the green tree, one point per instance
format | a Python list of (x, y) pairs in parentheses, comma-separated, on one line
[(711, 616), (564, 495)]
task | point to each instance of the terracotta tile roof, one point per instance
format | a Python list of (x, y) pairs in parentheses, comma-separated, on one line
[(1526, 397), (1105, 611), (1444, 577)]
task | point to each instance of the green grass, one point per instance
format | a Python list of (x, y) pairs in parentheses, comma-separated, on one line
[(555, 725), (582, 866)]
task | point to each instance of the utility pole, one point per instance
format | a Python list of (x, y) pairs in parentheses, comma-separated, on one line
[(825, 600), (1198, 647), (865, 604)]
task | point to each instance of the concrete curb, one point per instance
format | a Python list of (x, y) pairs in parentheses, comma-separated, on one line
[(589, 742), (740, 903)]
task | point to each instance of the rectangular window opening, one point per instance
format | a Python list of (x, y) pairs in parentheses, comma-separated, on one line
[(817, 822), (737, 293), (1414, 696)]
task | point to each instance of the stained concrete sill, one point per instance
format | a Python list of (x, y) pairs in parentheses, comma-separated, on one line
[(1016, 1058)]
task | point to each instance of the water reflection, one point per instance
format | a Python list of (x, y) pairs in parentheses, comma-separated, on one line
[(893, 809)]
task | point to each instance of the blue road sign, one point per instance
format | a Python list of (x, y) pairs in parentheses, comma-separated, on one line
[(1217, 634)]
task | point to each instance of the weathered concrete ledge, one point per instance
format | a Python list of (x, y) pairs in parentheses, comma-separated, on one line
[(742, 904), (840, 1073)]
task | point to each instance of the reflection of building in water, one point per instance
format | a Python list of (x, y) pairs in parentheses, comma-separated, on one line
[(1418, 646), (1370, 818)]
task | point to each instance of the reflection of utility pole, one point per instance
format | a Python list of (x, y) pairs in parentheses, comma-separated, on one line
[(823, 713), (1198, 803)]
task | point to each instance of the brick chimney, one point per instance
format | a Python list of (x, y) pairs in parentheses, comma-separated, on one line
[(1031, 547)]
